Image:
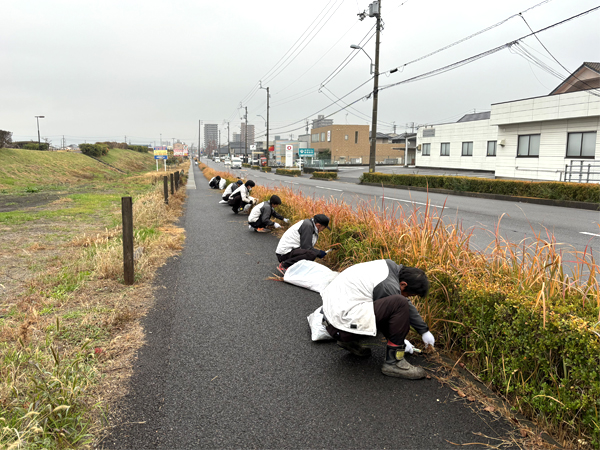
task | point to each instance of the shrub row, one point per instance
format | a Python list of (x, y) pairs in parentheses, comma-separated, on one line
[(95, 150), (265, 169), (255, 167), (552, 190), (290, 172), (325, 175), (245, 165)]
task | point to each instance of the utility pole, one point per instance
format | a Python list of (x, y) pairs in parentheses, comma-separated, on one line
[(372, 153), (199, 126), (246, 134), (228, 143), (260, 84), (306, 126)]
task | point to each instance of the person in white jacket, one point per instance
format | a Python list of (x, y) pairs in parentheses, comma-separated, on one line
[(260, 217), (371, 297), (298, 242), (240, 198), (229, 190), (214, 182)]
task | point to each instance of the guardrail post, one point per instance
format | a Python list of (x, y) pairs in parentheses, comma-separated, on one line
[(127, 217), (166, 188)]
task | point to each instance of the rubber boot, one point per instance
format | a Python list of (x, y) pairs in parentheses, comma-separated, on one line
[(396, 365), (355, 348)]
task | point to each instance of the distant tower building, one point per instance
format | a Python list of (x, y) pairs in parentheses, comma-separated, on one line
[(211, 137), (321, 121), (250, 134), (236, 137)]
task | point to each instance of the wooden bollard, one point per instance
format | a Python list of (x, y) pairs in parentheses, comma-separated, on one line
[(172, 185), (166, 186), (127, 216), (176, 174)]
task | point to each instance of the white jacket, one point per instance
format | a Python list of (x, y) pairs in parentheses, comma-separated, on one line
[(303, 234), (244, 192), (230, 188), (348, 300), (222, 183)]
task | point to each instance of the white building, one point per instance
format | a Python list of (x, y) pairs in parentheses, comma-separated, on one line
[(541, 138)]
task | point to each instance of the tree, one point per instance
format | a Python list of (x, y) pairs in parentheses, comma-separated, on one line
[(5, 138)]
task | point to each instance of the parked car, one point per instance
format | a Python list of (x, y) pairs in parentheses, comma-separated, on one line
[(217, 159), (236, 163)]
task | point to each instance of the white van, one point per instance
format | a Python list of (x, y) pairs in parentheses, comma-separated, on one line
[(236, 163)]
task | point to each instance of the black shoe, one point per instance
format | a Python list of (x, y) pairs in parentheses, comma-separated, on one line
[(355, 348)]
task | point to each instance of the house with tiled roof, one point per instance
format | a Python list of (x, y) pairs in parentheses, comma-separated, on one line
[(552, 137)]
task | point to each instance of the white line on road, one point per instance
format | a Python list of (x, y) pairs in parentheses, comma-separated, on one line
[(409, 201), (591, 234), (329, 189)]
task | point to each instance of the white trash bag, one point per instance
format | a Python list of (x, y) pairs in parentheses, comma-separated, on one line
[(310, 275), (318, 332)]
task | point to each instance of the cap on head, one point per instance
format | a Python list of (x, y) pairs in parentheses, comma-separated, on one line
[(239, 182), (250, 184), (322, 219)]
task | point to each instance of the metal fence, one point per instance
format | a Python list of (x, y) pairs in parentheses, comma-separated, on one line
[(582, 171), (322, 165)]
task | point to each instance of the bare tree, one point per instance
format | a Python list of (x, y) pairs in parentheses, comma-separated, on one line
[(5, 138)]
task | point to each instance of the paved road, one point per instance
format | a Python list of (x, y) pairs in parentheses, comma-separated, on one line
[(229, 362), (572, 228)]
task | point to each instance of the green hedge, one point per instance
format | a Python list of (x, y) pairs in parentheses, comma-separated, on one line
[(552, 190), (245, 165), (265, 169), (325, 175), (290, 172), (95, 150), (255, 167)]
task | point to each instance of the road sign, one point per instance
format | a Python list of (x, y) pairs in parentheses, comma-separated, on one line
[(160, 152), (306, 152), (253, 147)]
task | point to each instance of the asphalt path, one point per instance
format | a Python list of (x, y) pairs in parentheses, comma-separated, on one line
[(516, 222), (229, 363)]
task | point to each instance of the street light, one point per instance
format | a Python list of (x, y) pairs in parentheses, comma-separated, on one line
[(37, 118), (358, 47), (267, 89)]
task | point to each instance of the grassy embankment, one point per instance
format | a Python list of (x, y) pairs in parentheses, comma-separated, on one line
[(510, 314), (68, 326)]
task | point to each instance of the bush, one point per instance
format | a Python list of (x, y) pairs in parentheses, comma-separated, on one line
[(552, 190), (138, 148), (289, 172), (93, 150), (255, 167), (245, 165), (34, 146), (265, 169), (325, 175)]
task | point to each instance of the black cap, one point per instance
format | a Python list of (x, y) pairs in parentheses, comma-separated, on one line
[(275, 200), (240, 182), (250, 183), (323, 220)]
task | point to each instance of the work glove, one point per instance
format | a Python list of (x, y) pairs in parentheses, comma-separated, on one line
[(276, 225), (408, 346), (286, 220), (428, 339), (321, 254)]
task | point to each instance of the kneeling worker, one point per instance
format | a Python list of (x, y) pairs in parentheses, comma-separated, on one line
[(214, 182), (260, 216), (240, 198), (297, 243), (371, 297), (230, 189)]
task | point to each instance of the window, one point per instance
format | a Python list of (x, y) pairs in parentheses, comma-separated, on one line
[(356, 137), (581, 145), (323, 136), (491, 148), (445, 149), (315, 137), (529, 146), (467, 149), (426, 151)]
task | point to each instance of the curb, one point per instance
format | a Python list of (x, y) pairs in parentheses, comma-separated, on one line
[(540, 201)]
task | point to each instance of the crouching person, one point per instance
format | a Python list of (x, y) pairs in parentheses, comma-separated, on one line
[(260, 216), (214, 182), (371, 297), (240, 198), (298, 242), (229, 190)]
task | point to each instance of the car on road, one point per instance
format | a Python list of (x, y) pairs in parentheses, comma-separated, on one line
[(227, 162), (217, 159), (236, 163)]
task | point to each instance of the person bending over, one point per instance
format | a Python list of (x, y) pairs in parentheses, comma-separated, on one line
[(240, 198), (260, 216), (229, 190), (298, 242)]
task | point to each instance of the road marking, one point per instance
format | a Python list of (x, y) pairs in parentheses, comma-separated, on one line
[(409, 201), (329, 189), (591, 234)]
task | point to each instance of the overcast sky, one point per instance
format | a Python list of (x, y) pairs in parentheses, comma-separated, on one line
[(103, 70)]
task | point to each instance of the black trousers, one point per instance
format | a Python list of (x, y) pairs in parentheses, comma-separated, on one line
[(392, 318), (298, 254), (258, 224), (237, 203)]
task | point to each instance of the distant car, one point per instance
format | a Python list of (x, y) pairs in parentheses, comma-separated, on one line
[(227, 162), (217, 159), (236, 163)]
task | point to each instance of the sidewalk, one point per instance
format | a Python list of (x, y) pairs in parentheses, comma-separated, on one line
[(229, 362)]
